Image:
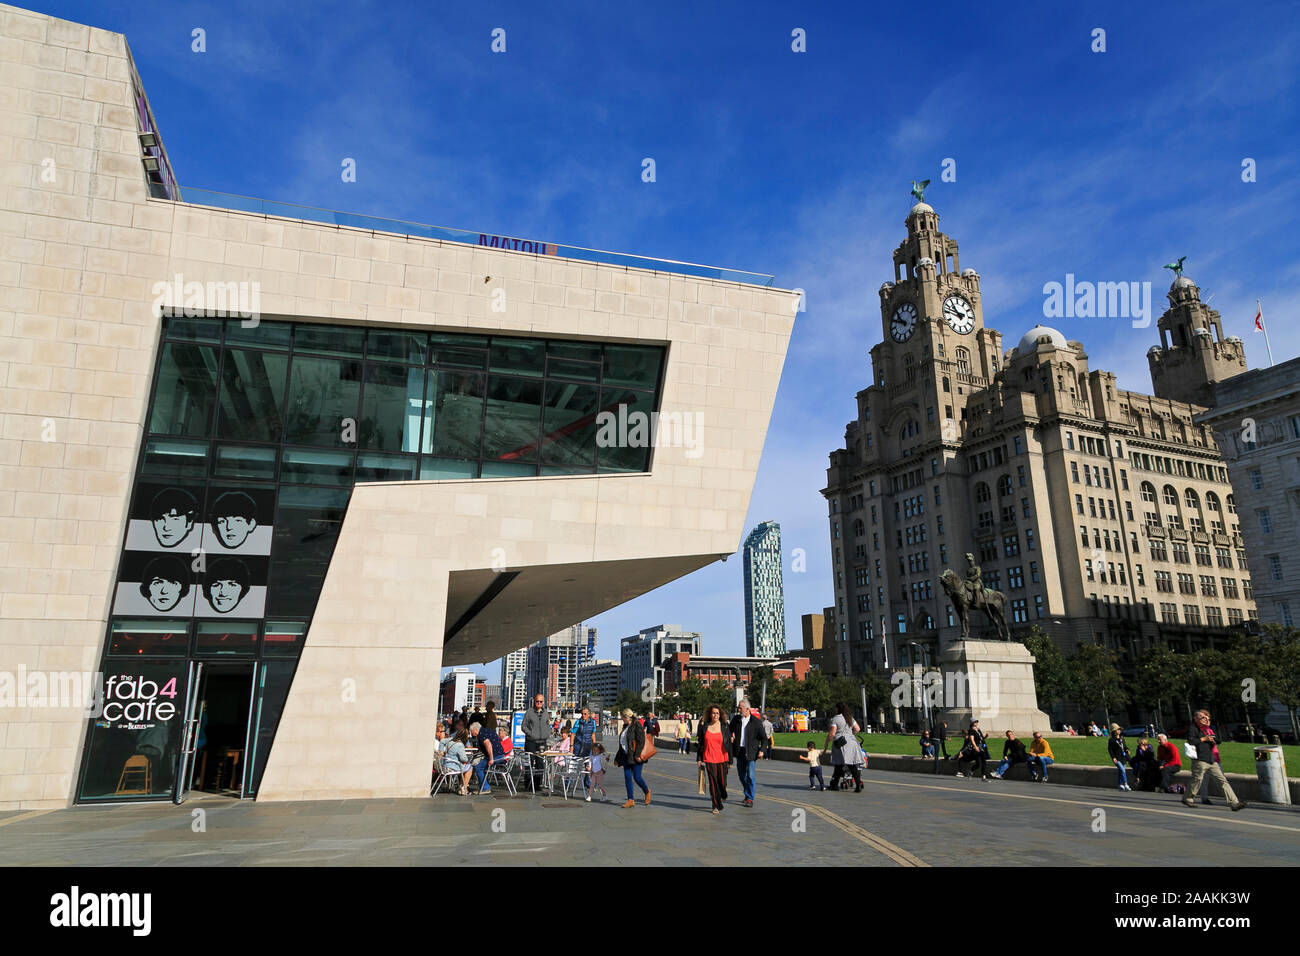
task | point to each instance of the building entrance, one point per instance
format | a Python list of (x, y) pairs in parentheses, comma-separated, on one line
[(219, 730)]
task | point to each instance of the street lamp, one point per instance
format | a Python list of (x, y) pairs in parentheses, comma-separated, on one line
[(925, 701)]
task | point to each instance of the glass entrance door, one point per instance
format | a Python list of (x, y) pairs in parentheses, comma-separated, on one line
[(190, 733)]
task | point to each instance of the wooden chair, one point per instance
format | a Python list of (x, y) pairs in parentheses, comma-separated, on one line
[(138, 771)]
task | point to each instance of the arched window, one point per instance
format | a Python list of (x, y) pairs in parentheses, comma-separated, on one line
[(1171, 496), (1148, 492), (1232, 505), (1004, 486), (982, 492), (947, 384), (1193, 502), (963, 361), (1212, 501)]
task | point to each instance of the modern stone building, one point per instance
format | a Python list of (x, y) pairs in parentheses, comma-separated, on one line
[(344, 470), (1105, 515), (764, 592), (1256, 423), (644, 656)]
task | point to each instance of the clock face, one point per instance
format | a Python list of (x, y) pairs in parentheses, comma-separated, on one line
[(960, 315), (903, 324)]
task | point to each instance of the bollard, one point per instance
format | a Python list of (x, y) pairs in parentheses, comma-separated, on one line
[(1271, 767)]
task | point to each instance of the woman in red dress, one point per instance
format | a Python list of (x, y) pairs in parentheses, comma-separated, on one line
[(713, 755)]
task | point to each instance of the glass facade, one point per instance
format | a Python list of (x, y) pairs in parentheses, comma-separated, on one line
[(255, 438)]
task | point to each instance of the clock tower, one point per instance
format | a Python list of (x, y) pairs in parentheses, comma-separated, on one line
[(933, 322)]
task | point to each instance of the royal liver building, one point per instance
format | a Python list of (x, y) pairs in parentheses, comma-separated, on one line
[(1103, 515)]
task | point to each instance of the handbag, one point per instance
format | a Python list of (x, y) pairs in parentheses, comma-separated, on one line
[(649, 750), (1190, 749), (701, 779)]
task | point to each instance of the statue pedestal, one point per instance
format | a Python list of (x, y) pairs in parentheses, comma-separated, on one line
[(992, 682)]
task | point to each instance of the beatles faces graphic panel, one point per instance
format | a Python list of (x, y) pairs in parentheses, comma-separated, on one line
[(196, 551)]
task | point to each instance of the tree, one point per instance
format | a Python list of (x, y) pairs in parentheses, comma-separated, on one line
[(815, 692), (1097, 682), (630, 700), (1249, 668), (1163, 674), (691, 692), (1283, 677), (668, 704), (1054, 678)]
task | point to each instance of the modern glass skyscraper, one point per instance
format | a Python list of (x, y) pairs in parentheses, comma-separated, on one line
[(764, 592)]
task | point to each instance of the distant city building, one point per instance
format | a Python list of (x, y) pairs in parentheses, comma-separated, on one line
[(514, 680), (1256, 422), (461, 688), (823, 653), (553, 664), (732, 671), (492, 692), (764, 592), (643, 655), (598, 682)]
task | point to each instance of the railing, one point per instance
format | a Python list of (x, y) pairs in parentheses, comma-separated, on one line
[(288, 210)]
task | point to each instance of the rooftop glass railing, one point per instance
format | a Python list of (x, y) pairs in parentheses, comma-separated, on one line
[(288, 210)]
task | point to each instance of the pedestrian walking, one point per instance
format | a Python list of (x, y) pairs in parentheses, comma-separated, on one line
[(1040, 757), (684, 735), (595, 766), (747, 742), (584, 734), (846, 752), (712, 754), (1119, 756), (631, 742), (974, 750), (537, 731), (767, 732), (814, 758), (941, 739), (1206, 762)]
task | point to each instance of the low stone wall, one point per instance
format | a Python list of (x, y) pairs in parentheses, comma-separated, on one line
[(1245, 785)]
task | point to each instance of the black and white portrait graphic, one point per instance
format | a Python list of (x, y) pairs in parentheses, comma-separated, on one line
[(233, 587), (154, 584), (164, 517), (238, 521)]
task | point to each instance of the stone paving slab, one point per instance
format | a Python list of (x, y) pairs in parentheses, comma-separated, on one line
[(942, 821)]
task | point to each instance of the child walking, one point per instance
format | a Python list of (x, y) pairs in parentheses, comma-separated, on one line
[(814, 758), (596, 764)]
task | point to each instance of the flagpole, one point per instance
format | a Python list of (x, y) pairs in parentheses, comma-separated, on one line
[(1259, 310)]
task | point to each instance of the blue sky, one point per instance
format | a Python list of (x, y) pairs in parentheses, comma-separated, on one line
[(1106, 165)]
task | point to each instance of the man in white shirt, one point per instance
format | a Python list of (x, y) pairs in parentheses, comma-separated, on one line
[(747, 741)]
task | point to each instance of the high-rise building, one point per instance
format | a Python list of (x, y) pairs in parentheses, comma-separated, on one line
[(644, 656), (598, 684), (764, 592), (514, 680), (1256, 422), (553, 664), (1104, 515)]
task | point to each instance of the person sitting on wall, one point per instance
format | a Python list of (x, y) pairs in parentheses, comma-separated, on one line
[(1013, 752), (226, 584), (1146, 765), (927, 744), (1040, 757), (233, 517), (172, 515), (165, 582)]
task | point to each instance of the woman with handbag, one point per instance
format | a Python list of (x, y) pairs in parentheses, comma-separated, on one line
[(846, 752), (712, 755), (634, 749)]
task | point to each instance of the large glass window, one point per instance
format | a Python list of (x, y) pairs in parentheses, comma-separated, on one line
[(184, 391), (252, 395), (392, 405)]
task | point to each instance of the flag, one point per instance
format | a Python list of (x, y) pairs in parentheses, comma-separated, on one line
[(1259, 319)]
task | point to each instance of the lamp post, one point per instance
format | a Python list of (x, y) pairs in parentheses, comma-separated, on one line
[(925, 703)]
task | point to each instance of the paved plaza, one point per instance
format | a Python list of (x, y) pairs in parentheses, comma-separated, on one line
[(898, 820)]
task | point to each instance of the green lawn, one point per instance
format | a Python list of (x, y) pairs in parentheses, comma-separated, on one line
[(1087, 751)]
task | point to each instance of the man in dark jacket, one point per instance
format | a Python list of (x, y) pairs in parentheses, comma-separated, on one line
[(747, 743), (537, 731), (941, 739)]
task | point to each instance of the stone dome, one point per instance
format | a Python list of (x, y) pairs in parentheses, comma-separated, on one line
[(1182, 282), (921, 207), (1030, 340)]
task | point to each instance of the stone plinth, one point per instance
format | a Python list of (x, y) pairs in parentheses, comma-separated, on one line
[(993, 682)]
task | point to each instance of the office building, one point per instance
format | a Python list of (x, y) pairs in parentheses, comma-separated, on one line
[(598, 684), (644, 655)]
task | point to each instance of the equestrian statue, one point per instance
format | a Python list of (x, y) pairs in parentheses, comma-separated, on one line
[(971, 594)]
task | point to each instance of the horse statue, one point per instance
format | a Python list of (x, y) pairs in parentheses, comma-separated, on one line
[(992, 603)]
